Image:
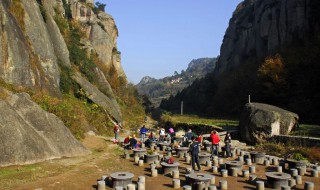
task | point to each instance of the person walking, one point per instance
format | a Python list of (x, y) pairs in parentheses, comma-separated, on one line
[(116, 130), (162, 134), (227, 142), (143, 131), (194, 150), (215, 143)]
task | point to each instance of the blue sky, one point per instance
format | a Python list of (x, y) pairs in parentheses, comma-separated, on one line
[(158, 37)]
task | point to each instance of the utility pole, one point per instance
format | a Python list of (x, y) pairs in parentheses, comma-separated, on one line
[(249, 99), (181, 107)]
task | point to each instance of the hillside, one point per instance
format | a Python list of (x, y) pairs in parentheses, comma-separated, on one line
[(271, 51), (60, 77), (159, 89)]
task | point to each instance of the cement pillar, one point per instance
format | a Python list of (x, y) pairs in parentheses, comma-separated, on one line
[(176, 183), (259, 185), (308, 185), (252, 169), (224, 173), (154, 173), (223, 184), (101, 185)]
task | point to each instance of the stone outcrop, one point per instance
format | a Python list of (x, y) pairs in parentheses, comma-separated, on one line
[(259, 122), (260, 27), (28, 134)]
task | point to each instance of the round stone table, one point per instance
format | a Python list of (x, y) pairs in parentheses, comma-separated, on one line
[(179, 139), (181, 150), (121, 179), (139, 152), (204, 157), (161, 144), (257, 157), (168, 168), (233, 164), (150, 158), (277, 179), (199, 177), (296, 164)]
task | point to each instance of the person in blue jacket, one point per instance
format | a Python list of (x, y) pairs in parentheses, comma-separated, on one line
[(194, 150), (143, 131)]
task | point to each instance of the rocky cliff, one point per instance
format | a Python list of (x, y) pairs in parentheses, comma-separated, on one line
[(32, 45), (260, 27), (56, 48)]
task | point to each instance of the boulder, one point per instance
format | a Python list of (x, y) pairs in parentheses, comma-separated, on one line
[(259, 122), (28, 134)]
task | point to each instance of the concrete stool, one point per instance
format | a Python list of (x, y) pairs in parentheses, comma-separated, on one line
[(223, 184), (298, 179), (292, 182), (223, 166), (142, 179), (154, 173), (214, 169), (301, 171), (118, 188), (209, 163), (314, 173), (127, 155), (187, 187), (234, 172), (153, 166), (252, 169), (188, 160), (245, 173), (224, 173), (285, 187), (213, 180), (175, 174), (233, 154), (212, 187), (240, 158), (279, 169), (293, 172), (140, 162), (275, 161), (164, 148), (143, 145), (141, 186), (176, 183), (242, 153), (267, 162), (308, 185), (248, 162), (260, 185), (136, 159), (158, 149), (215, 162), (101, 185), (131, 187), (238, 150), (252, 178)]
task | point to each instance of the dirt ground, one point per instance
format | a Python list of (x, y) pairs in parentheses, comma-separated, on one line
[(106, 158)]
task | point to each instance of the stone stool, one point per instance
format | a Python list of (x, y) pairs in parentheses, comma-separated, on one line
[(214, 169), (292, 182), (248, 161), (234, 172), (176, 183), (127, 155), (259, 185), (141, 186), (279, 169), (267, 162), (213, 180), (131, 187), (301, 171), (252, 169), (101, 185), (224, 173), (245, 173), (223, 184), (293, 172), (140, 162), (212, 187), (118, 188), (209, 163), (187, 187), (175, 174), (314, 173), (154, 173), (308, 185), (285, 187), (298, 179), (136, 159)]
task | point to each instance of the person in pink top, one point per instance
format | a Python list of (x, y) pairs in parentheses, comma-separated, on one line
[(215, 143)]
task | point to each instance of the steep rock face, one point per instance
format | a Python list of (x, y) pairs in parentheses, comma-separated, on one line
[(29, 134), (259, 122), (259, 27)]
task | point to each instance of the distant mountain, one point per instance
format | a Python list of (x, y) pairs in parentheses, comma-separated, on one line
[(159, 89)]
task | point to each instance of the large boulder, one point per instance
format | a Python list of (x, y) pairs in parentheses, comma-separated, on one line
[(259, 122), (28, 134)]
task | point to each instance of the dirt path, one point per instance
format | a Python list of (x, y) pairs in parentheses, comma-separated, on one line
[(106, 158)]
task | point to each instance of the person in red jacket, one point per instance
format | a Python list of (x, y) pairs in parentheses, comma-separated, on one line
[(215, 143)]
